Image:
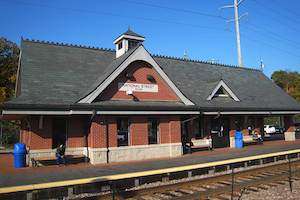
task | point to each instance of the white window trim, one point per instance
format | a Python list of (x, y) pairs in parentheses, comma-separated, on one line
[(228, 90)]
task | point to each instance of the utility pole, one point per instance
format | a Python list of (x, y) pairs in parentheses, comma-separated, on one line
[(237, 19)]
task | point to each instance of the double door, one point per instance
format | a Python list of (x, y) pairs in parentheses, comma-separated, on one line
[(220, 132)]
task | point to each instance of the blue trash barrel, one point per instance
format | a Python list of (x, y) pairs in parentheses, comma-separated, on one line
[(19, 153), (238, 140)]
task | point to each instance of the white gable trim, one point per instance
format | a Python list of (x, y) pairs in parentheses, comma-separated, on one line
[(128, 37), (139, 54), (228, 90)]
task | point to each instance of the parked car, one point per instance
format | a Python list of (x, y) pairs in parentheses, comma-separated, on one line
[(297, 127), (269, 129), (280, 129)]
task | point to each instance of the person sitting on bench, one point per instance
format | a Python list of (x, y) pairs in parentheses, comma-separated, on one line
[(60, 153)]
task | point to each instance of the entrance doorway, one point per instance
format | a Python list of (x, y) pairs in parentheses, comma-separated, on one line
[(59, 132), (220, 132)]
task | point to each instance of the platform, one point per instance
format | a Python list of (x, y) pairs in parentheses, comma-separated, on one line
[(11, 176)]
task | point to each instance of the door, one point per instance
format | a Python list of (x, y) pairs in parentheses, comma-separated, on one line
[(59, 132), (220, 132)]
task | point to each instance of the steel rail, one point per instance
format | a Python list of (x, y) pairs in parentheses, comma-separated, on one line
[(209, 192)]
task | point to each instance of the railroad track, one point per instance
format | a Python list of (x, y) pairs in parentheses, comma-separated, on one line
[(217, 187)]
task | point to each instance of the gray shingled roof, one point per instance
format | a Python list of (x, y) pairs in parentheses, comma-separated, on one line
[(255, 90), (60, 75), (131, 33)]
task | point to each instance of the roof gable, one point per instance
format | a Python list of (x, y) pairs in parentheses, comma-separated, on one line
[(137, 82), (140, 53)]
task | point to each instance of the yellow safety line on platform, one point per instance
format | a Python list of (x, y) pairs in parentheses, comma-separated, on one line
[(137, 174)]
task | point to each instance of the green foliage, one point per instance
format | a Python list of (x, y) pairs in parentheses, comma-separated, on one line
[(268, 121), (10, 131), (9, 53), (289, 82)]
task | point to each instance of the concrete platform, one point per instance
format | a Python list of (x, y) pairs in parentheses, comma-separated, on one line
[(11, 176)]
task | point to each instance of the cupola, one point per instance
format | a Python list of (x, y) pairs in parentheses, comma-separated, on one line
[(127, 41)]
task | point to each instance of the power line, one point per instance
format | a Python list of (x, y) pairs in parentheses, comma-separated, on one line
[(140, 18), (198, 13), (285, 8), (280, 36), (271, 18), (169, 8), (117, 15), (270, 46), (270, 37), (276, 11)]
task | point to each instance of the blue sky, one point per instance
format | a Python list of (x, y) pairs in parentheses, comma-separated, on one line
[(170, 27)]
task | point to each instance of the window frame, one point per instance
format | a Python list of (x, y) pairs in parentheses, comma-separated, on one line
[(156, 119), (199, 128), (128, 131)]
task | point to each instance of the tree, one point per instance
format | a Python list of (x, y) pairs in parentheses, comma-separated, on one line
[(289, 82), (9, 54)]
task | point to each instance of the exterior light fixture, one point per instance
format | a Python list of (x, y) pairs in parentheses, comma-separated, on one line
[(129, 92), (150, 77)]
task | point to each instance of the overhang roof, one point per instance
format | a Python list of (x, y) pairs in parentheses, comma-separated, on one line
[(61, 75)]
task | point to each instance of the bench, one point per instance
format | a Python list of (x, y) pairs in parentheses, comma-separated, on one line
[(51, 160), (199, 148), (255, 139)]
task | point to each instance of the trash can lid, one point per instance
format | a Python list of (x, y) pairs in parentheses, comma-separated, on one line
[(238, 134), (19, 148)]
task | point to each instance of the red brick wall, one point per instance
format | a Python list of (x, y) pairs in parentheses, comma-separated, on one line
[(288, 124), (164, 129), (175, 129), (97, 136), (76, 131), (232, 126), (140, 70), (113, 131), (40, 138), (139, 130), (24, 133), (169, 131)]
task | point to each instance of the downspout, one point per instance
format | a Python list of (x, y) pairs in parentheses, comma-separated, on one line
[(27, 122), (187, 120), (107, 143)]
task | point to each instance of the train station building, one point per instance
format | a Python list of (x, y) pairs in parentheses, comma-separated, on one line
[(126, 104)]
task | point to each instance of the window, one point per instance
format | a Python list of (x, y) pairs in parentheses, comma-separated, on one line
[(59, 132), (251, 125), (153, 131), (239, 123), (221, 93), (199, 128), (120, 45), (123, 131), (132, 44)]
